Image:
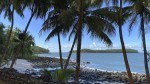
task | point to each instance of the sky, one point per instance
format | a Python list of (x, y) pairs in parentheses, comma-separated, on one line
[(131, 41)]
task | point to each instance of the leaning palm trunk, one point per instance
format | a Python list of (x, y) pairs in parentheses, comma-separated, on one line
[(69, 56), (60, 52), (123, 47), (27, 26), (13, 61), (79, 37), (14, 57), (8, 41), (125, 57), (144, 46)]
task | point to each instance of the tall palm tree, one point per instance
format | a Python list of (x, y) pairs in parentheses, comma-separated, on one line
[(140, 9), (79, 34), (8, 7), (52, 22), (124, 15), (38, 9), (123, 46), (80, 17)]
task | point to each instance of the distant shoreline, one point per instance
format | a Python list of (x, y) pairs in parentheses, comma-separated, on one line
[(107, 51)]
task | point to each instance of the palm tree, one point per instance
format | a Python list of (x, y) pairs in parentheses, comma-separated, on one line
[(124, 15), (53, 23), (79, 33), (80, 17), (8, 7), (38, 9), (140, 9), (17, 45), (123, 46)]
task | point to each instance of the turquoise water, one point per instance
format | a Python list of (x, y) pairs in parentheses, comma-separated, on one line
[(108, 61)]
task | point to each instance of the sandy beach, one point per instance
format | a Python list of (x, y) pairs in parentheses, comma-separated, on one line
[(21, 65)]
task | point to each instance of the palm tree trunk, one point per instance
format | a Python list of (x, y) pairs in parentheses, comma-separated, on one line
[(11, 28), (60, 52), (69, 56), (79, 37), (145, 50), (27, 26), (123, 46), (15, 57), (13, 62)]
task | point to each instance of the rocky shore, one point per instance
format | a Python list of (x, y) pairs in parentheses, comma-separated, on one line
[(93, 76), (12, 76), (48, 62), (87, 76)]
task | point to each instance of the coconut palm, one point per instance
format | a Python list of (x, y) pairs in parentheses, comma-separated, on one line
[(123, 45), (97, 27), (17, 44), (124, 15), (141, 11), (53, 23), (38, 9), (8, 8)]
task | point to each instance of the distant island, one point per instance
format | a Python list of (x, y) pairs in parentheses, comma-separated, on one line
[(39, 50), (107, 51)]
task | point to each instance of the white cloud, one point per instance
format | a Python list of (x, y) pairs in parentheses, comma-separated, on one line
[(67, 45)]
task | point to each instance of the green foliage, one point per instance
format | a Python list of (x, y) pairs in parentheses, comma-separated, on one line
[(2, 45), (39, 50), (16, 42), (2, 37), (67, 20), (30, 57), (46, 72), (62, 75), (59, 75)]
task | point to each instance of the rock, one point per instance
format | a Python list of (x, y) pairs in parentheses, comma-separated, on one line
[(46, 78)]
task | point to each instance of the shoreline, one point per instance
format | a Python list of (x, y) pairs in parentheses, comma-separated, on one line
[(85, 63), (87, 75)]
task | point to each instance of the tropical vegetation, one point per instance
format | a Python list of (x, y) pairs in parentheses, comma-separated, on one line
[(99, 18)]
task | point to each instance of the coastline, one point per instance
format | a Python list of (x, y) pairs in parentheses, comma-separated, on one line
[(87, 75)]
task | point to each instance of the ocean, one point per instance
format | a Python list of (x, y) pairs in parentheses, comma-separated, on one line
[(108, 61)]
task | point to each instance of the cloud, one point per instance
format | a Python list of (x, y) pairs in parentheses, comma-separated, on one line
[(67, 45), (101, 46), (93, 45)]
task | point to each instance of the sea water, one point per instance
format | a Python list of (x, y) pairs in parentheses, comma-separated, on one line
[(108, 61)]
